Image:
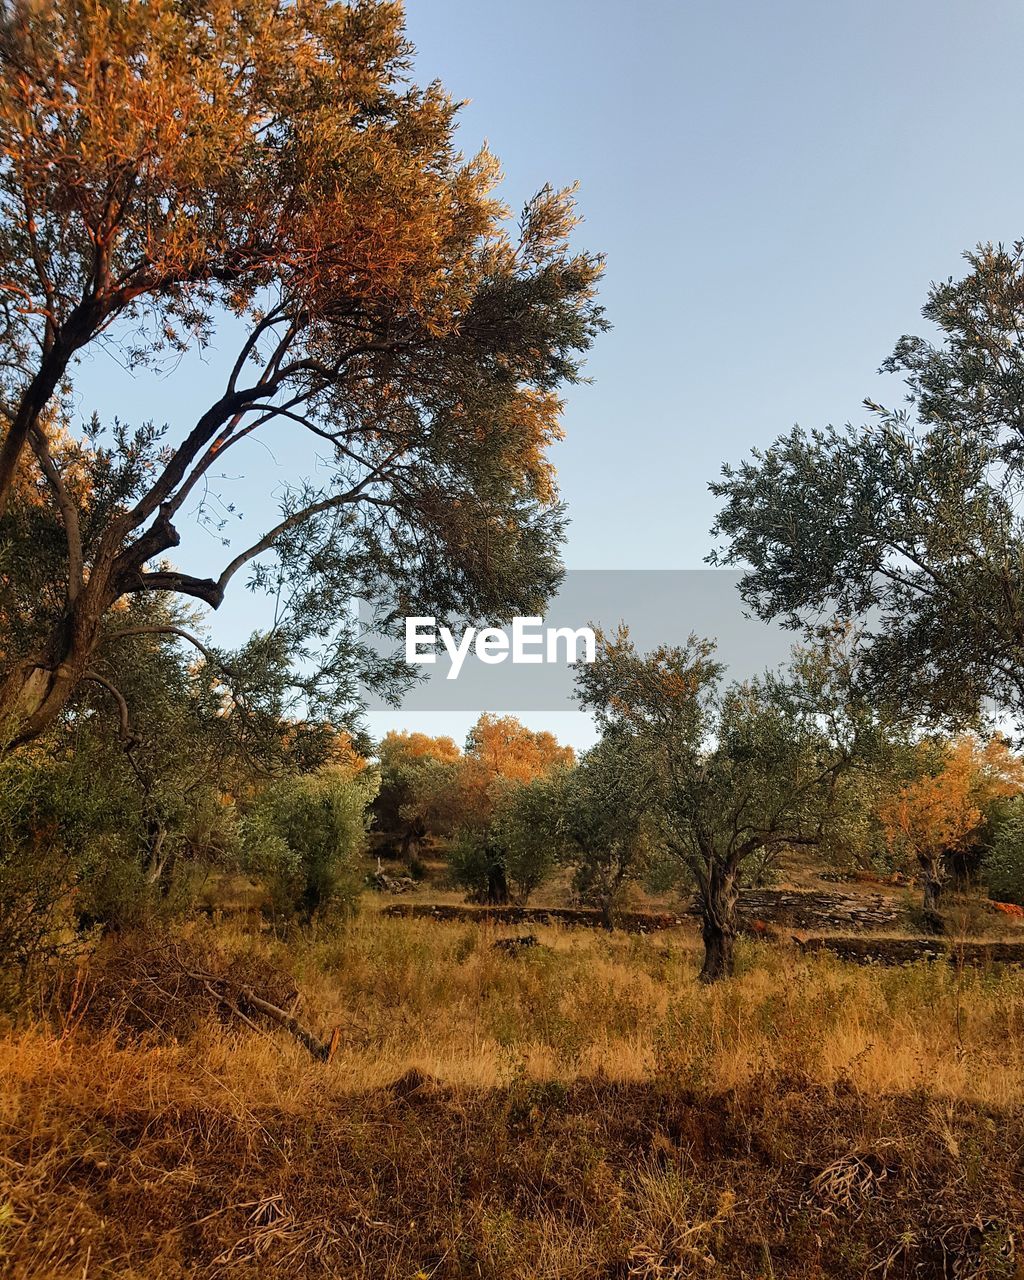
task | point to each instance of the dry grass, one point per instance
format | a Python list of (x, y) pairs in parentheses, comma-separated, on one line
[(582, 1109), (439, 998)]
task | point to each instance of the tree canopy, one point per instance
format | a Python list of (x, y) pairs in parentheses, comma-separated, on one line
[(164, 165), (942, 810), (910, 524)]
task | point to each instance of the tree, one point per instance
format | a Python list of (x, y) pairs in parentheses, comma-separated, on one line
[(165, 165), (501, 746), (910, 524), (476, 863), (490, 795), (526, 828), (736, 769), (415, 784), (943, 810), (304, 835), (1002, 866), (609, 828)]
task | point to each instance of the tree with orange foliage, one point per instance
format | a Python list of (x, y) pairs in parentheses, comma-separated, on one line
[(500, 751), (503, 746), (503, 761), (416, 787), (166, 164), (942, 811)]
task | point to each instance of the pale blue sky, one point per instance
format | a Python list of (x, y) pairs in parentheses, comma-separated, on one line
[(774, 185)]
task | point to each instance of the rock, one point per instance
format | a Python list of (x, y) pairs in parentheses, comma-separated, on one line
[(812, 909), (512, 946), (895, 951), (390, 884)]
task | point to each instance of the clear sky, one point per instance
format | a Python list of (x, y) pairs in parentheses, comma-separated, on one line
[(775, 185)]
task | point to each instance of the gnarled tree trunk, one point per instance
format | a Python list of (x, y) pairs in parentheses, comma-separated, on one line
[(718, 895), (497, 886), (35, 691)]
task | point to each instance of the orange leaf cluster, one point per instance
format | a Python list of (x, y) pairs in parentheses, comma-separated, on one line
[(941, 812)]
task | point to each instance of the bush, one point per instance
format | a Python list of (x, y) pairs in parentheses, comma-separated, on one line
[(606, 825), (119, 894), (525, 828), (476, 863), (303, 837), (516, 851), (1002, 867), (51, 820)]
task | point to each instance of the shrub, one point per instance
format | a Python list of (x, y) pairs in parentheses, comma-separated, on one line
[(56, 829), (1002, 868), (476, 863), (525, 828), (303, 837), (606, 825)]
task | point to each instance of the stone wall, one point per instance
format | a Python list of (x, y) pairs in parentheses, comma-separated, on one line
[(791, 908), (810, 909)]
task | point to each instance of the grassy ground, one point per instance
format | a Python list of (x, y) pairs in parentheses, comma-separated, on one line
[(583, 1109)]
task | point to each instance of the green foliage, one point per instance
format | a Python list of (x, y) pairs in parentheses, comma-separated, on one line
[(608, 826), (417, 799), (525, 826), (117, 824), (516, 848), (303, 836), (118, 894), (38, 867), (473, 861), (912, 522), (734, 771), (1002, 866)]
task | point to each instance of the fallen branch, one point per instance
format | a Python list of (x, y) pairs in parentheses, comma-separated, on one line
[(322, 1050)]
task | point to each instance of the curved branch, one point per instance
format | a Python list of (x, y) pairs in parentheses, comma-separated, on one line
[(208, 654), (293, 521), (204, 589), (127, 737), (67, 508)]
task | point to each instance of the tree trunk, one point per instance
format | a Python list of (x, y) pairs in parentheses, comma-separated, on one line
[(156, 862), (32, 696), (35, 692), (412, 839), (718, 913), (73, 335), (497, 886), (933, 876)]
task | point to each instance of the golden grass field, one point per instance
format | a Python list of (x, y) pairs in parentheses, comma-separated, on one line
[(584, 1108)]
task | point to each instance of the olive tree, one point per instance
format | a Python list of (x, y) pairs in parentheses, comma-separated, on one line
[(609, 824), (909, 524), (181, 171), (736, 769), (303, 836)]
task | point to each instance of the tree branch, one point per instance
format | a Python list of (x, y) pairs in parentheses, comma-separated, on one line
[(208, 654), (68, 512), (127, 737)]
